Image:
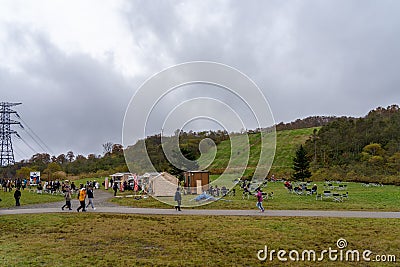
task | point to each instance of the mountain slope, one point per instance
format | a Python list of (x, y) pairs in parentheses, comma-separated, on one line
[(286, 143)]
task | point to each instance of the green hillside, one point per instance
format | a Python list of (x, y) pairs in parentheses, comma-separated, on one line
[(286, 143)]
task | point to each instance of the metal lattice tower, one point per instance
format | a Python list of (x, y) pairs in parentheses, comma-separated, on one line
[(7, 153)]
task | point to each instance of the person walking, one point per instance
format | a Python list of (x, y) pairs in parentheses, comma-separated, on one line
[(178, 199), (17, 196), (115, 188), (67, 196), (90, 197), (82, 197), (259, 200)]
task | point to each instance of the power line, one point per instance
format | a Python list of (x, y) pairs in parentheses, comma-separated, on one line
[(33, 139), (20, 151), (27, 144), (44, 144)]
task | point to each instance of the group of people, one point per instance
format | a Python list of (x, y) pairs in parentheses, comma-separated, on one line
[(8, 184), (216, 191), (83, 193), (300, 188)]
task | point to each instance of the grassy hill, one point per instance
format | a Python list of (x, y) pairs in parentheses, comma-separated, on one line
[(217, 158), (286, 143)]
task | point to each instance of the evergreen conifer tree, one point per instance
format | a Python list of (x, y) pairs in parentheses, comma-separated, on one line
[(301, 165)]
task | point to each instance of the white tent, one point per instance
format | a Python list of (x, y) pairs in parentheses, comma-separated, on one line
[(163, 185)]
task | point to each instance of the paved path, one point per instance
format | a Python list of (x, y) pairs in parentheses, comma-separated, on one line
[(205, 212), (104, 206)]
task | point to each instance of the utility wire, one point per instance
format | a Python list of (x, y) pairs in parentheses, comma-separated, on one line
[(44, 149), (26, 143), (34, 134), (20, 151)]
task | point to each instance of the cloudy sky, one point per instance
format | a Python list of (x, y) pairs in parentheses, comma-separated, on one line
[(76, 64)]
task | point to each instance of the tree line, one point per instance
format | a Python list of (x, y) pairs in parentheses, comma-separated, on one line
[(345, 148), (113, 158), (68, 164), (366, 148)]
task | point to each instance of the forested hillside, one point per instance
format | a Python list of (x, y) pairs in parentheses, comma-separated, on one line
[(312, 121), (152, 148), (286, 144), (354, 149), (366, 149)]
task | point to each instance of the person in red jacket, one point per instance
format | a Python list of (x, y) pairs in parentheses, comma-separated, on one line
[(259, 200)]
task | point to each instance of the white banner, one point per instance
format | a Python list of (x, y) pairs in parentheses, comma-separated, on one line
[(34, 178)]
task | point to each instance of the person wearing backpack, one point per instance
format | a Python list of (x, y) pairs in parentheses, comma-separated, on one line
[(67, 196)]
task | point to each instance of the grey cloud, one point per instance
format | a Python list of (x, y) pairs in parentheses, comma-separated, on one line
[(308, 57), (332, 54), (72, 101)]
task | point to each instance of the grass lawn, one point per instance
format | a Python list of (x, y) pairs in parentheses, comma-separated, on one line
[(27, 198), (286, 144), (142, 240), (386, 198)]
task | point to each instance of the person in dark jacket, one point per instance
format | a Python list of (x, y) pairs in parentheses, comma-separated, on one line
[(178, 199), (115, 188), (90, 197), (17, 196)]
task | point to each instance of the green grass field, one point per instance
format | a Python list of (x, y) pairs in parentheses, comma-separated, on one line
[(26, 198), (141, 240), (286, 145), (31, 197), (386, 198)]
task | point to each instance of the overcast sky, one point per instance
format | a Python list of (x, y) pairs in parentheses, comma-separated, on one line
[(76, 64)]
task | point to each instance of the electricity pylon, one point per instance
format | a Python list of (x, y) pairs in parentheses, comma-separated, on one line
[(7, 153)]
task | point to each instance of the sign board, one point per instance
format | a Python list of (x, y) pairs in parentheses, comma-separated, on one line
[(34, 178)]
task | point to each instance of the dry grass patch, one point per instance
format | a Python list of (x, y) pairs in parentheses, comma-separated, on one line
[(142, 240)]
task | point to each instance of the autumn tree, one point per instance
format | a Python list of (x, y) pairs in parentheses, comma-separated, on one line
[(24, 172), (117, 149), (52, 168), (70, 156), (61, 159)]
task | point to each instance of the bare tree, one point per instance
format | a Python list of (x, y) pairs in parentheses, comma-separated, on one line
[(107, 148)]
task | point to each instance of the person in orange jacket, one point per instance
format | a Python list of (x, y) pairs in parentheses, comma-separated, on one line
[(82, 197)]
